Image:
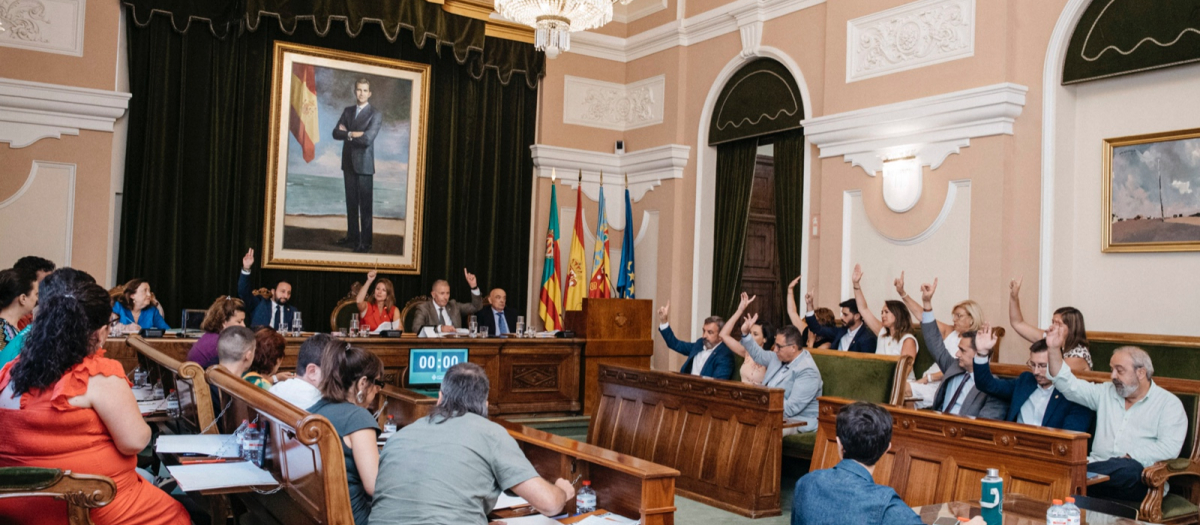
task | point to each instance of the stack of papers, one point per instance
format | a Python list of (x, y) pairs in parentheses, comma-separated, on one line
[(215, 445), (507, 502), (210, 476), (151, 407), (536, 519), (607, 519)]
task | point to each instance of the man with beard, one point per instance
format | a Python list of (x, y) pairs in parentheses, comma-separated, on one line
[(276, 312), (1032, 397), (1138, 423), (708, 356)]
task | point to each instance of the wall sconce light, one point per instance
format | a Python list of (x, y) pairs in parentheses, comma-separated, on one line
[(901, 183)]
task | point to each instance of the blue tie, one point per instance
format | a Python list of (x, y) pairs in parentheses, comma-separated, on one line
[(501, 325)]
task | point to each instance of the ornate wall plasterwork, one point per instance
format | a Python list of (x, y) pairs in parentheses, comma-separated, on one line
[(908, 37), (609, 105), (53, 26), (31, 111)]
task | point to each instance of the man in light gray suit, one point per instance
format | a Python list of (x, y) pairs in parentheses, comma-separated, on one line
[(357, 127), (958, 394), (443, 312)]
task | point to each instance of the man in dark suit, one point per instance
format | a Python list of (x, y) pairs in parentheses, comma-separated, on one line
[(276, 312), (1032, 398), (958, 394), (498, 319), (442, 311), (851, 337), (708, 356), (358, 127)]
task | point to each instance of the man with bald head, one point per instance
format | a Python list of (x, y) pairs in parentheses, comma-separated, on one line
[(498, 319), (443, 312)]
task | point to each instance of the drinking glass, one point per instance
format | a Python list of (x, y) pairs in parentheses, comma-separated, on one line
[(297, 325), (353, 332), (520, 326), (483, 332), (473, 326)]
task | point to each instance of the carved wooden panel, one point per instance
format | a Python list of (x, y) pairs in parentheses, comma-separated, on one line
[(534, 377)]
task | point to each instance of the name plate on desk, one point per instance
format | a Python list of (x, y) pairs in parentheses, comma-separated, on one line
[(153, 333), (392, 333)]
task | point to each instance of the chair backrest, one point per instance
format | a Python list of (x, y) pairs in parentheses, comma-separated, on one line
[(406, 314), (1172, 355), (339, 319), (863, 377), (1103, 506), (186, 378), (80, 491)]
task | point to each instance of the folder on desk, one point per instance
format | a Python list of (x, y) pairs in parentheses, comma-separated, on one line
[(216, 445), (211, 476)]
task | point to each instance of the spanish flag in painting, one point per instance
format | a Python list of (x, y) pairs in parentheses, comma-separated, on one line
[(625, 286), (576, 265), (303, 118), (601, 286), (550, 304)]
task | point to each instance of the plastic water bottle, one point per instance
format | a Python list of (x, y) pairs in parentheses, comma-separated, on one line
[(390, 426), (1056, 514), (1073, 517), (173, 404), (139, 377), (991, 498), (585, 499), (157, 393), (252, 448), (353, 326)]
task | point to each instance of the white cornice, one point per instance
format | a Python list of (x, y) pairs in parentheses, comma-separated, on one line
[(931, 128), (682, 33), (30, 111)]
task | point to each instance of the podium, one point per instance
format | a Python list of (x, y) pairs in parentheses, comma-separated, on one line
[(618, 332)]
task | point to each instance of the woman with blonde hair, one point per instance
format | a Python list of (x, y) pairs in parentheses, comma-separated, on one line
[(966, 316), (380, 306)]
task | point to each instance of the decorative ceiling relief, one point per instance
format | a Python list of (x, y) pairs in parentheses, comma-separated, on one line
[(53, 26), (609, 105), (908, 37)]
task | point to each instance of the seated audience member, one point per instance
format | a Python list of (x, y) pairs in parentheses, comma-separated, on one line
[(379, 306), (303, 390), (442, 311), (448, 468), (847, 493), (763, 333), (268, 352), (1077, 355), (894, 327), (958, 394), (1138, 423), (38, 266), (275, 312), (824, 317), (135, 308), (498, 319), (708, 356), (789, 367), (848, 338), (236, 349), (225, 312), (1032, 398), (352, 377), (60, 281), (65, 406), (18, 296), (966, 316)]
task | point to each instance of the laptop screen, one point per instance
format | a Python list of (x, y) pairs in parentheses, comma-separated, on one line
[(427, 366)]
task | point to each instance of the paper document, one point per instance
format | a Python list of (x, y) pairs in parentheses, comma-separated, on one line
[(507, 502), (150, 407), (210, 476), (536, 519), (386, 325), (218, 445), (142, 394), (607, 519)]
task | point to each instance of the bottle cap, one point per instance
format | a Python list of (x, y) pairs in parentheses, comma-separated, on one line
[(993, 472), (587, 483), (255, 426), (390, 416), (172, 390), (1058, 502), (1070, 500), (964, 520)]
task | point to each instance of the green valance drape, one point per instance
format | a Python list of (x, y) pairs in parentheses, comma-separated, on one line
[(731, 213), (1121, 37), (789, 205), (195, 174)]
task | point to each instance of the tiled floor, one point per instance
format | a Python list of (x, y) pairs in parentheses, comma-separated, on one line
[(690, 512)]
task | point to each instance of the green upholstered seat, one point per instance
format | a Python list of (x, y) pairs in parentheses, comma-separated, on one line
[(858, 379), (1174, 505), (1169, 361), (28, 478), (924, 359), (800, 445)]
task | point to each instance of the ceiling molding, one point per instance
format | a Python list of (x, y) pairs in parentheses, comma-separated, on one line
[(627, 13), (931, 128), (682, 33), (31, 111), (646, 170)]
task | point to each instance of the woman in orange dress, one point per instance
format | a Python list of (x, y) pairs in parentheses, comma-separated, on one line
[(380, 307), (64, 405)]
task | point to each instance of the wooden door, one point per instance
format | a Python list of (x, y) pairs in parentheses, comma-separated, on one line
[(760, 266)]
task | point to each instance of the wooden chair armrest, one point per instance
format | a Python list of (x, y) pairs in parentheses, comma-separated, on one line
[(80, 491), (1155, 477), (787, 424)]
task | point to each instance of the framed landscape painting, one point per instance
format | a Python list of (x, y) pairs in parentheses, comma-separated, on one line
[(345, 172), (1152, 192)]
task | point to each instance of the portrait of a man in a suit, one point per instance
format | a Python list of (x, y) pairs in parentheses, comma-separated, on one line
[(357, 128)]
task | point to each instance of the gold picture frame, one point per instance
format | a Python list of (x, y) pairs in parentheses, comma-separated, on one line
[(1149, 203), (347, 138)]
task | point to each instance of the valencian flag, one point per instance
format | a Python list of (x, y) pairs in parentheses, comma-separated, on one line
[(303, 121), (550, 307), (625, 280), (576, 271), (600, 286)]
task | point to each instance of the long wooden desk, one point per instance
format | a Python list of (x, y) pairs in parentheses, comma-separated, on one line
[(527, 375), (937, 457)]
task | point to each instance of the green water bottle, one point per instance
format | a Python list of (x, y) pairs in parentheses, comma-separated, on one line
[(991, 498)]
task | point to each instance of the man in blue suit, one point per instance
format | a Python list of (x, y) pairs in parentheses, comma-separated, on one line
[(708, 356), (1032, 398), (851, 337), (357, 127), (275, 312)]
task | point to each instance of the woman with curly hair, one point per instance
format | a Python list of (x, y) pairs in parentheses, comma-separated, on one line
[(267, 356), (136, 307), (225, 312), (65, 406)]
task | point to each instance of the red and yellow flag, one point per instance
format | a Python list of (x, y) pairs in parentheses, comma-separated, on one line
[(576, 271), (550, 304), (303, 122)]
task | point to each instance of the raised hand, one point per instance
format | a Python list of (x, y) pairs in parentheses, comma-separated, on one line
[(857, 275), (470, 279), (899, 282), (664, 313), (745, 302), (1055, 336), (808, 300), (371, 275), (1014, 287), (927, 290), (794, 282), (248, 259), (749, 323), (985, 339)]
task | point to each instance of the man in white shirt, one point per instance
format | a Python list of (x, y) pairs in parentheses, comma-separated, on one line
[(303, 390), (1138, 423)]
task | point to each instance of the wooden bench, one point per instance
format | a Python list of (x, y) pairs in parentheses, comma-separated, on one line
[(186, 378), (303, 452), (81, 492)]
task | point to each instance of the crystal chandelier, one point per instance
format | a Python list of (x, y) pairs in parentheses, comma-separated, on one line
[(553, 21)]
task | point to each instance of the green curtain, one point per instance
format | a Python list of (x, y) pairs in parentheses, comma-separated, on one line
[(195, 174), (789, 205), (731, 212)]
